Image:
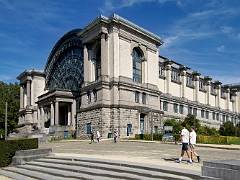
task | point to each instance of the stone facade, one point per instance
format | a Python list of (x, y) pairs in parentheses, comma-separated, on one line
[(109, 76)]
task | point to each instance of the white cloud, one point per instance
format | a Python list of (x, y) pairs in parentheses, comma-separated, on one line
[(221, 48), (111, 5)]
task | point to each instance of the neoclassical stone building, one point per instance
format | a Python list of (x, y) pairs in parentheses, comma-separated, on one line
[(109, 75)]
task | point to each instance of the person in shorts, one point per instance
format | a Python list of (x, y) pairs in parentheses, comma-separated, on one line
[(185, 142), (192, 143)]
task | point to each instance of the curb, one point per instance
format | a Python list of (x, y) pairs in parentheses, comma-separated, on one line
[(198, 145)]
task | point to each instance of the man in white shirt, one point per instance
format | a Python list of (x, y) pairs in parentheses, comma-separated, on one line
[(193, 137), (185, 141)]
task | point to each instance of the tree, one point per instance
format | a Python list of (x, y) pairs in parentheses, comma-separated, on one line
[(191, 121), (207, 131), (227, 129), (9, 93)]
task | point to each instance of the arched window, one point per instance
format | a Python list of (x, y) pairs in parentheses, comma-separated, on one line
[(98, 65), (137, 65)]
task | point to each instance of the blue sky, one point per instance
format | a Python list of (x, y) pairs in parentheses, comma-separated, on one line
[(202, 34)]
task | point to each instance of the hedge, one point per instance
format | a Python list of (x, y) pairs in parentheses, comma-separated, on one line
[(156, 137), (218, 139), (9, 147)]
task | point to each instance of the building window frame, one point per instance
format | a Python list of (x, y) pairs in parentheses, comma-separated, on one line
[(175, 108), (165, 106), (181, 109), (137, 57), (144, 98), (137, 97), (175, 75)]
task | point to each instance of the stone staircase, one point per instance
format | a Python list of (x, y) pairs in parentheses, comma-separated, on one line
[(59, 168)]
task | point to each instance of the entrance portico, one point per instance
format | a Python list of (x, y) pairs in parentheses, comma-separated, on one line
[(57, 111)]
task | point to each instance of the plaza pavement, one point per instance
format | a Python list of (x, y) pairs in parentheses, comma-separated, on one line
[(142, 152)]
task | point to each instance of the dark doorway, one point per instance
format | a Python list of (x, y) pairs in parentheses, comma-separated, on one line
[(64, 109), (142, 116)]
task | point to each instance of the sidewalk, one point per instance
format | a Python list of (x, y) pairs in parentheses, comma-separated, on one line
[(217, 146)]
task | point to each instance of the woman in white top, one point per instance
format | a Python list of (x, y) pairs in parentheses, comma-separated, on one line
[(192, 143)]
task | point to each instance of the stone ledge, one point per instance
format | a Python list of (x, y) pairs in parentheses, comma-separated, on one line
[(23, 156), (223, 169)]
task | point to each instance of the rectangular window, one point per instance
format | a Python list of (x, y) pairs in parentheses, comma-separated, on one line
[(144, 96), (175, 108), (227, 118), (202, 113), (175, 75), (213, 116), (156, 129), (195, 111), (161, 70), (201, 85), (217, 117), (189, 82), (213, 90), (89, 128), (190, 110), (165, 105), (181, 109), (137, 97), (223, 118), (207, 114), (129, 128), (89, 97)]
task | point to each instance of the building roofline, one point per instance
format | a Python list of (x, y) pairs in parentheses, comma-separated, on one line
[(31, 72), (120, 20)]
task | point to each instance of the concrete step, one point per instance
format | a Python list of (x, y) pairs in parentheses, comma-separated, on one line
[(64, 173), (89, 170), (29, 173), (14, 175), (146, 174), (171, 172)]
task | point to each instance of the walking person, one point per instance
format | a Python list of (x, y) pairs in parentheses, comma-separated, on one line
[(92, 137), (192, 143), (98, 136), (185, 141), (115, 136)]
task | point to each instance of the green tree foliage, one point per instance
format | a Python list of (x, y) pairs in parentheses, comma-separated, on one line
[(191, 121), (227, 129), (207, 131), (9, 93)]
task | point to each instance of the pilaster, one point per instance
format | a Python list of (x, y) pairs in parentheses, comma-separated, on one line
[(28, 92), (183, 83), (73, 122), (227, 98), (56, 113), (86, 63), (21, 97), (104, 55), (168, 77), (52, 114)]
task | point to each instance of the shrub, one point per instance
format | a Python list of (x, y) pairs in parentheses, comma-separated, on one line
[(9, 147), (218, 139), (156, 137)]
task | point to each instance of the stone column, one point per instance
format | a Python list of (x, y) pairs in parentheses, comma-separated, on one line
[(227, 98), (21, 97), (208, 84), (69, 115), (104, 55), (183, 82), (28, 92), (42, 117), (168, 77), (237, 102), (73, 113), (52, 114), (86, 64), (196, 88), (218, 87), (56, 113)]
